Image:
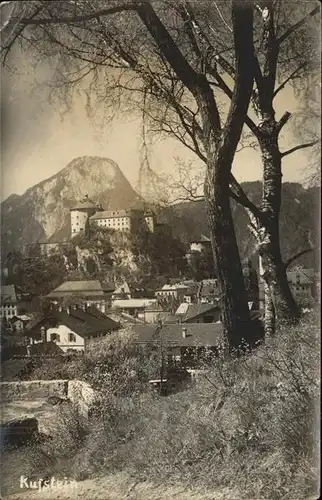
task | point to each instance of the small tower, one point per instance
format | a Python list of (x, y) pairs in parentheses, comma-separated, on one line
[(150, 220), (79, 215)]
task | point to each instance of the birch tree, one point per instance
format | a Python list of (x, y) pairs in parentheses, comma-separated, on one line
[(285, 53)]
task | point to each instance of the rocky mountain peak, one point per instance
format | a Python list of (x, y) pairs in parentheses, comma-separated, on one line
[(42, 212)]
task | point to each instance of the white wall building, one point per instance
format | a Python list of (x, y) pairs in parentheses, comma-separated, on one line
[(65, 338), (176, 291), (119, 220), (80, 214), (201, 245), (150, 221)]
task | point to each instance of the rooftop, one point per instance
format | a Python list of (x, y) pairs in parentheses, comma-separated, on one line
[(110, 214), (174, 286), (301, 276), (12, 294), (196, 310), (8, 293), (121, 289), (202, 239), (88, 287), (168, 318), (132, 303), (197, 334), (183, 308), (22, 317), (84, 323)]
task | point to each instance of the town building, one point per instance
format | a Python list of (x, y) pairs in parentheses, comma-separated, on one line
[(201, 313), (133, 307), (208, 292), (302, 284), (176, 291), (86, 213), (72, 329), (150, 220), (80, 214), (19, 323), (152, 313), (122, 292), (87, 292), (167, 318), (14, 302), (202, 244), (187, 345), (128, 220)]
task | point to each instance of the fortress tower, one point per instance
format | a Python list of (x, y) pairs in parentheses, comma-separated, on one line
[(79, 215), (150, 220)]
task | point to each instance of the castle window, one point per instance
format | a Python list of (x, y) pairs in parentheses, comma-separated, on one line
[(72, 337)]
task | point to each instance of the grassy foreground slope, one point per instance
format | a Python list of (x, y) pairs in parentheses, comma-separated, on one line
[(248, 429)]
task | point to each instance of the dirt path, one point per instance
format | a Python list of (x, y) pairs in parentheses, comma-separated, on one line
[(120, 487)]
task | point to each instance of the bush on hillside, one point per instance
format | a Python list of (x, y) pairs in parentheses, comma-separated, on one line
[(248, 424), (113, 362)]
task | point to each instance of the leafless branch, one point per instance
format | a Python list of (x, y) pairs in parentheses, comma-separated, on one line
[(285, 118), (82, 18), (289, 78), (298, 255), (300, 146), (239, 195), (297, 25)]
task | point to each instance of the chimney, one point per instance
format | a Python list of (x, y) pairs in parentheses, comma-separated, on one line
[(68, 310), (43, 334), (60, 309), (184, 332)]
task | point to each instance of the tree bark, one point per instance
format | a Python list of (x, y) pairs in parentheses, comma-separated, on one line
[(274, 268), (270, 318), (235, 313)]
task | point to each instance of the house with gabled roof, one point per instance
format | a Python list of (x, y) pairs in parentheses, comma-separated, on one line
[(202, 244), (90, 292), (175, 291), (133, 307), (20, 322), (208, 292), (201, 313), (187, 345), (302, 284), (72, 329), (122, 291)]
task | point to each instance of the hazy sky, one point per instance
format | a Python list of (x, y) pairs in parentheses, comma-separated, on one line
[(36, 142)]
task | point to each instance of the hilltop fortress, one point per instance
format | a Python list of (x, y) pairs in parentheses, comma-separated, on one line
[(130, 220)]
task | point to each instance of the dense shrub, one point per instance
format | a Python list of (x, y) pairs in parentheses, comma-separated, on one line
[(249, 423)]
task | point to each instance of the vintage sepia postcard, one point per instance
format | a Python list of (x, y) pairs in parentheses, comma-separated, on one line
[(160, 249)]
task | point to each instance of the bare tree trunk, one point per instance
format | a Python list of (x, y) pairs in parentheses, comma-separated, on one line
[(274, 268), (235, 313), (270, 319)]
